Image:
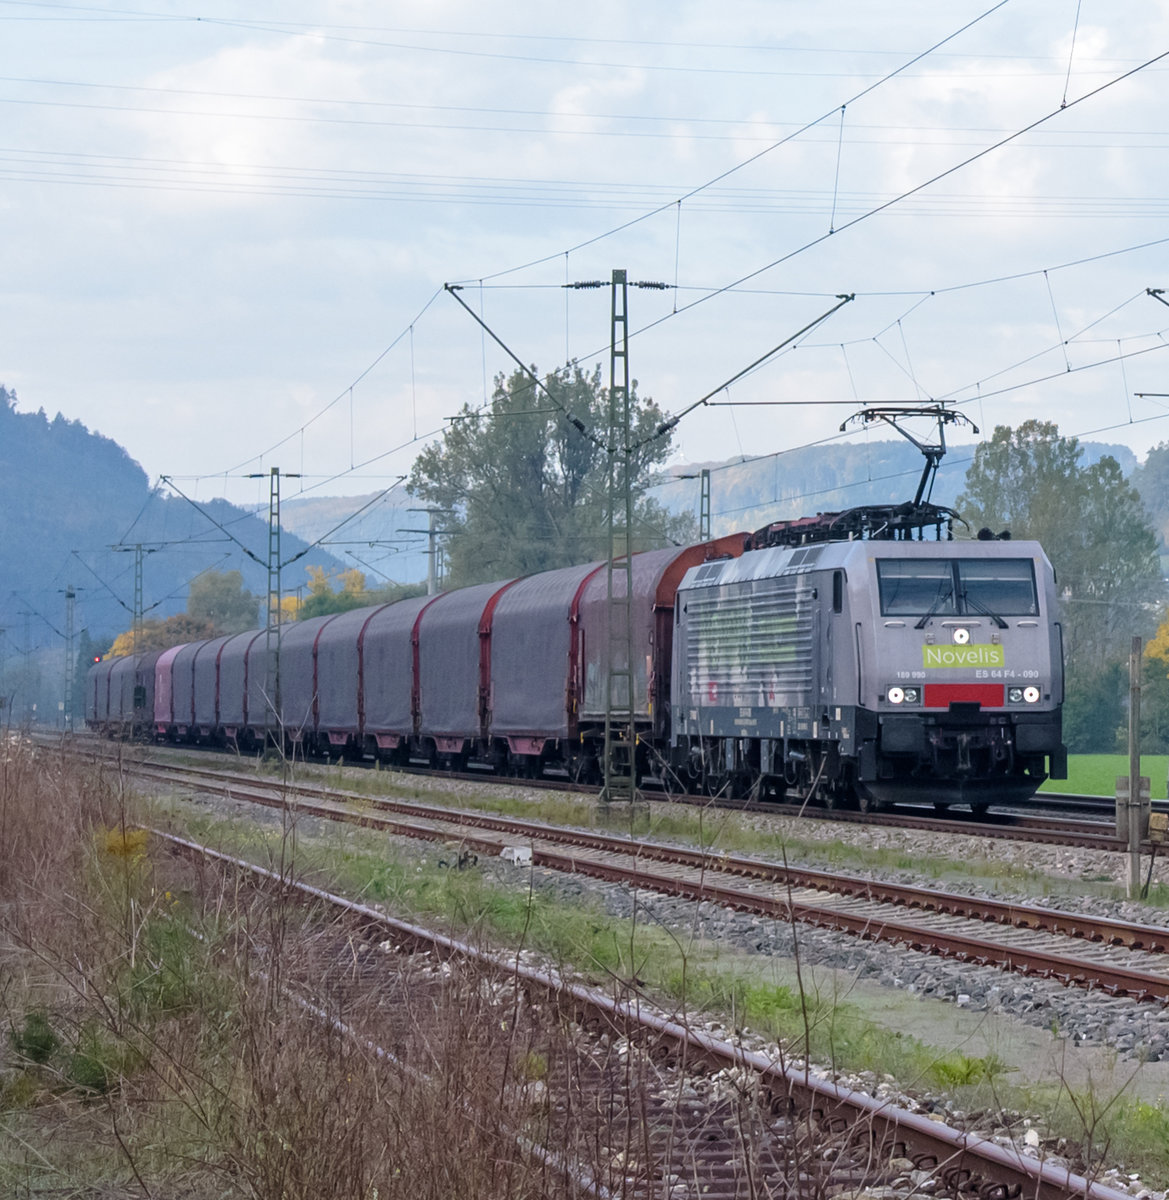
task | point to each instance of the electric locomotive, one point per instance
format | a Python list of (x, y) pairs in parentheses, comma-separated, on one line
[(872, 669)]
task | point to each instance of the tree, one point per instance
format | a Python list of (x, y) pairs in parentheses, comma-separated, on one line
[(522, 488), (1152, 481), (1095, 713), (353, 593), (322, 599), (1155, 692), (161, 635), (1090, 521), (216, 603), (219, 597)]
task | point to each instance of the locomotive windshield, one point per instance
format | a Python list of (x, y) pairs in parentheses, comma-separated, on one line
[(994, 587)]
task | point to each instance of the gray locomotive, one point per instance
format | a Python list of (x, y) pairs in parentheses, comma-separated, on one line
[(871, 670)]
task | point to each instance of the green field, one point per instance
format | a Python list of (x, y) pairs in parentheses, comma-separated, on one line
[(1095, 774)]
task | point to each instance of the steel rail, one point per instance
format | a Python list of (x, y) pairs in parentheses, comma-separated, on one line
[(964, 1161), (1115, 979), (1097, 929), (1022, 827)]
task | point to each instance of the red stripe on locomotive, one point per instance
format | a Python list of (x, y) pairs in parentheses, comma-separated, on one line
[(942, 695)]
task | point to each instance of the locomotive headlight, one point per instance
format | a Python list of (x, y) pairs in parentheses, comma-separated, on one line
[(895, 695), (912, 695), (961, 637), (1015, 695), (1031, 695)]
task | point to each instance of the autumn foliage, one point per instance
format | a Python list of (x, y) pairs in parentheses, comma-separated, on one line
[(161, 635)]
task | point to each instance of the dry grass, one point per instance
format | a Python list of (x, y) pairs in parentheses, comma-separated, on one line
[(154, 1042)]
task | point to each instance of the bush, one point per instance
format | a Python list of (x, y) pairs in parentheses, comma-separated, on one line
[(35, 1040)]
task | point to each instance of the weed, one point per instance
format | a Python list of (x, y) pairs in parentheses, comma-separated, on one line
[(97, 1061), (124, 843), (167, 975), (36, 1039), (963, 1070), (20, 1091), (533, 1066), (206, 1068)]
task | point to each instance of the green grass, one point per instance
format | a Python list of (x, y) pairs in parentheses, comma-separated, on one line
[(740, 990), (809, 843), (1095, 774), (699, 977)]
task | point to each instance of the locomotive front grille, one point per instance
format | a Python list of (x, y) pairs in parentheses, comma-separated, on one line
[(751, 648)]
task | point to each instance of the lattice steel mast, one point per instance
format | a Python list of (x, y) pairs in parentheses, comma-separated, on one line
[(619, 756)]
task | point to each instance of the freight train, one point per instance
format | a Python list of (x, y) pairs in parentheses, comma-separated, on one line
[(846, 659)]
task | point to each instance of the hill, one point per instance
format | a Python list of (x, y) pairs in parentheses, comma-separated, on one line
[(382, 539), (69, 496)]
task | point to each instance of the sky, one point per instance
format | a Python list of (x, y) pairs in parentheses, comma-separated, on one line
[(227, 228)]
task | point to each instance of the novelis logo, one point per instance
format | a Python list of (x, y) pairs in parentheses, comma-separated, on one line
[(962, 656)]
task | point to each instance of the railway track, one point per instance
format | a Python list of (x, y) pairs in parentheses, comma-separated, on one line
[(1118, 957), (1065, 829), (708, 1117)]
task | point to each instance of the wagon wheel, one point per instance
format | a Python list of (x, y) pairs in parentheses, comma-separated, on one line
[(866, 802), (584, 769)]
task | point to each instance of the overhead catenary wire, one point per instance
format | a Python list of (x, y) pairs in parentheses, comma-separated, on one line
[(858, 401), (115, 14), (911, 191), (672, 422), (353, 466), (341, 524), (723, 175), (318, 32), (534, 379), (935, 178), (954, 459), (1071, 54), (901, 69), (407, 331)]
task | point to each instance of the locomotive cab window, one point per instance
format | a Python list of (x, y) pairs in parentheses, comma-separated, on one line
[(995, 587), (1005, 586), (910, 587)]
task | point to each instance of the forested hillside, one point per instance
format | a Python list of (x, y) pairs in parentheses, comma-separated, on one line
[(68, 496)]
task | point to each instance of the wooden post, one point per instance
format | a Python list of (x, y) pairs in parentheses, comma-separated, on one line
[(1135, 826)]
